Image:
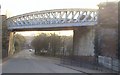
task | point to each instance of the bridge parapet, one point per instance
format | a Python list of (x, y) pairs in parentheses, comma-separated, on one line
[(54, 18)]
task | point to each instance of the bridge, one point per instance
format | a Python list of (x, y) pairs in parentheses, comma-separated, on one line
[(92, 30), (58, 18)]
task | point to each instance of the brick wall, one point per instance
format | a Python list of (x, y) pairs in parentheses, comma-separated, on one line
[(5, 38)]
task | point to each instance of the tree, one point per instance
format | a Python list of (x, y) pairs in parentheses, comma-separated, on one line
[(53, 43), (19, 42), (56, 43), (67, 44), (40, 42)]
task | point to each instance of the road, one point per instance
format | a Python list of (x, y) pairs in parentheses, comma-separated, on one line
[(26, 62)]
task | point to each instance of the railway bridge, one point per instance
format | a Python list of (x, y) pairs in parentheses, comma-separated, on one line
[(95, 30)]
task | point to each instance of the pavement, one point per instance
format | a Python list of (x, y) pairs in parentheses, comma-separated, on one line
[(26, 62), (86, 70)]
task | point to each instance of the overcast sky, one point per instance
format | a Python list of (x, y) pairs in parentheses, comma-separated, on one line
[(16, 7)]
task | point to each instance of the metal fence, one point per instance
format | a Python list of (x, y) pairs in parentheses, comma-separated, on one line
[(111, 63)]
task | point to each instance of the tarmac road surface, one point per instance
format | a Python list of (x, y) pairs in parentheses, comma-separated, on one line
[(26, 62)]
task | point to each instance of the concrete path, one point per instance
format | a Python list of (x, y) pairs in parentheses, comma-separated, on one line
[(26, 62)]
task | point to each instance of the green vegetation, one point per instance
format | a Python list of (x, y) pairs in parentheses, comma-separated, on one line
[(40, 42), (53, 44), (19, 42)]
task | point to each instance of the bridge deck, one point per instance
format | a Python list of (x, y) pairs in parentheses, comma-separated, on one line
[(53, 19)]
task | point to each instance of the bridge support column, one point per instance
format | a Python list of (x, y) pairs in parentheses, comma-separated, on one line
[(4, 37), (11, 48), (83, 43)]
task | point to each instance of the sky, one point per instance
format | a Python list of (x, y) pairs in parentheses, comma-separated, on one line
[(17, 7), (35, 33)]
